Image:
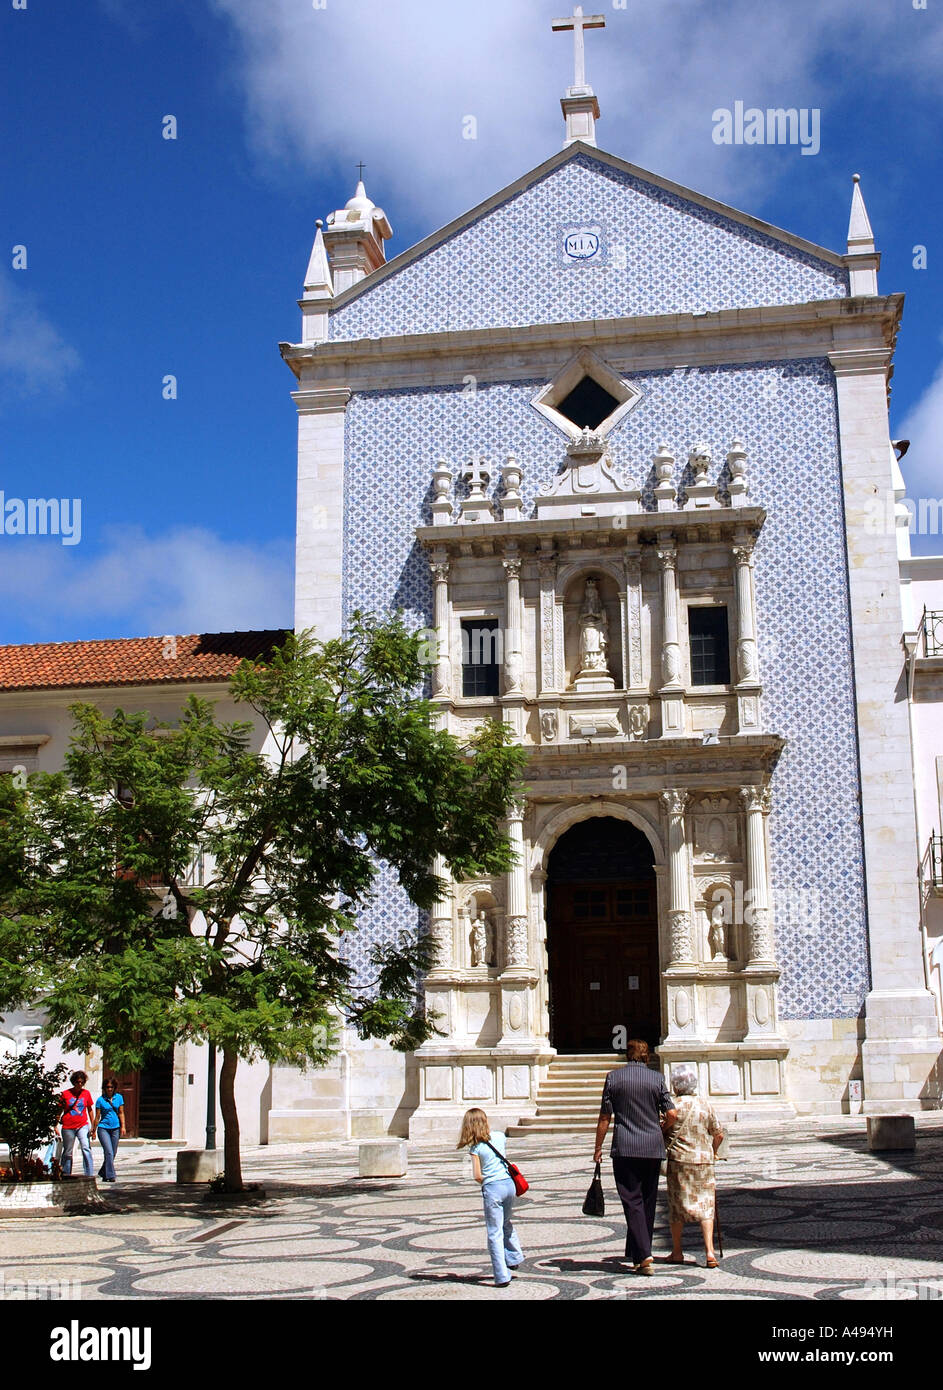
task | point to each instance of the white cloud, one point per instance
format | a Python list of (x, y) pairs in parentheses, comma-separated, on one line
[(390, 83), (143, 584), (922, 466), (34, 356)]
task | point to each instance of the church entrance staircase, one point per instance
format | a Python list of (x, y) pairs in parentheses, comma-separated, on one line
[(568, 1100)]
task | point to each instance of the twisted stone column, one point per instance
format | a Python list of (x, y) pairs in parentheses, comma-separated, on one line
[(681, 947)]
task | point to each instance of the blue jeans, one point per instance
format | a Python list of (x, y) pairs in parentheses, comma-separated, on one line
[(69, 1137), (108, 1138), (503, 1244)]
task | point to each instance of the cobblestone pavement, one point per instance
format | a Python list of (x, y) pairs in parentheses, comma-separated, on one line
[(807, 1213)]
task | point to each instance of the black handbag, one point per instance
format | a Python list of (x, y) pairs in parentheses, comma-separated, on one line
[(595, 1204)]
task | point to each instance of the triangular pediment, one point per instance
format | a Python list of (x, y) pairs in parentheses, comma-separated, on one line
[(586, 235)]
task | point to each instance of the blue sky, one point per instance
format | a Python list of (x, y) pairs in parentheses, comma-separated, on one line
[(148, 257)]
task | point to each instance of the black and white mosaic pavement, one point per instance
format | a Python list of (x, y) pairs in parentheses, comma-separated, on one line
[(807, 1213)]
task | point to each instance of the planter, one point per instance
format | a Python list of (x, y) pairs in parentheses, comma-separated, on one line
[(49, 1198)]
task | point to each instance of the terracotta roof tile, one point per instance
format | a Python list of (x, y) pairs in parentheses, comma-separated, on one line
[(205, 656)]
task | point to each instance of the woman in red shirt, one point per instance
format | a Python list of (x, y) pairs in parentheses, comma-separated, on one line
[(77, 1118)]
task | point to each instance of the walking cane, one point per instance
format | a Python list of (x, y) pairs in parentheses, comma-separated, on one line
[(717, 1231)]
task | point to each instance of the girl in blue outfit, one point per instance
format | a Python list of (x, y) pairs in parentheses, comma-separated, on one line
[(497, 1192), (109, 1109)]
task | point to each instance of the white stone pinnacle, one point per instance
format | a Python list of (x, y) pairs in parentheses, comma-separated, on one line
[(318, 279), (860, 235)]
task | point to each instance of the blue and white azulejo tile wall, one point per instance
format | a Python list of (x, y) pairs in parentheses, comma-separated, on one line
[(642, 251), (785, 413)]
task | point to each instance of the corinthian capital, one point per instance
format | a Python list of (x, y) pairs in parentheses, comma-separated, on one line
[(755, 799), (674, 801), (667, 556), (743, 554)]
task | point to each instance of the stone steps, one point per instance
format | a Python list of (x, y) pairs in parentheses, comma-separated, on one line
[(568, 1100)]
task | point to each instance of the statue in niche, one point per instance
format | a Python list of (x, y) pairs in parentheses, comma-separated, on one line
[(594, 632), (717, 934), (481, 941)]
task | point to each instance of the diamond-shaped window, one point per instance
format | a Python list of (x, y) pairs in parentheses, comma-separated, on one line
[(586, 394)]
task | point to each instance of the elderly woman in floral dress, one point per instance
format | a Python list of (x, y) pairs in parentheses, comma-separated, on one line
[(692, 1144)]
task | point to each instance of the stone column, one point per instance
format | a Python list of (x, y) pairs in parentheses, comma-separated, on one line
[(755, 802), (632, 630), (517, 953), (748, 666), (547, 569), (513, 654), (681, 947), (442, 671), (672, 688), (440, 926)]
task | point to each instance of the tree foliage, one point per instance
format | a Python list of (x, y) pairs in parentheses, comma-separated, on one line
[(103, 918), (29, 1103)]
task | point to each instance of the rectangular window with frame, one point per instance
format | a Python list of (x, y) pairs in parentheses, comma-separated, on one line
[(480, 657), (709, 639)]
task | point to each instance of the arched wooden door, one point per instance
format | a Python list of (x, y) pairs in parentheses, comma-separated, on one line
[(602, 937)]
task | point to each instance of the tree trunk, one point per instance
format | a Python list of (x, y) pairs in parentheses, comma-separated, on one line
[(232, 1159)]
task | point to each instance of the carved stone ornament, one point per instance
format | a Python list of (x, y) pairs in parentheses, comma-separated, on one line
[(679, 922), (638, 721), (548, 726), (674, 801), (682, 1009), (517, 941), (441, 933), (700, 461)]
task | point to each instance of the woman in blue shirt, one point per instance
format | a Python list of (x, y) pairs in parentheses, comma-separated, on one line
[(497, 1192), (109, 1109)]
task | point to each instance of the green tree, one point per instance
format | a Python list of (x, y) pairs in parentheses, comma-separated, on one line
[(29, 1103), (100, 916)]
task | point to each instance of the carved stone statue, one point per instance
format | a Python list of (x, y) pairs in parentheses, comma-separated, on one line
[(594, 632), (481, 941), (717, 935)]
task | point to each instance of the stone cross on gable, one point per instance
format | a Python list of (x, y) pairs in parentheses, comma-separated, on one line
[(478, 474), (578, 22)]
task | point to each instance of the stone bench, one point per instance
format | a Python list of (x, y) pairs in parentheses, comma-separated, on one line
[(383, 1158), (198, 1165), (886, 1132)]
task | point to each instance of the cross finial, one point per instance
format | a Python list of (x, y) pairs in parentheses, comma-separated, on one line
[(360, 168), (578, 22)]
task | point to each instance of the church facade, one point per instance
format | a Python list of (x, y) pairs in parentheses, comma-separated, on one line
[(612, 444), (615, 448)]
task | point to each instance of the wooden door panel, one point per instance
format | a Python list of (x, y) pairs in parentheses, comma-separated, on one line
[(603, 935)]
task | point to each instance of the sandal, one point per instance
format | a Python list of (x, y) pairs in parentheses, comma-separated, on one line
[(711, 1263), (670, 1260)]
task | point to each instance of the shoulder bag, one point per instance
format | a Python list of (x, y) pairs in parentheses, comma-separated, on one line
[(517, 1177)]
